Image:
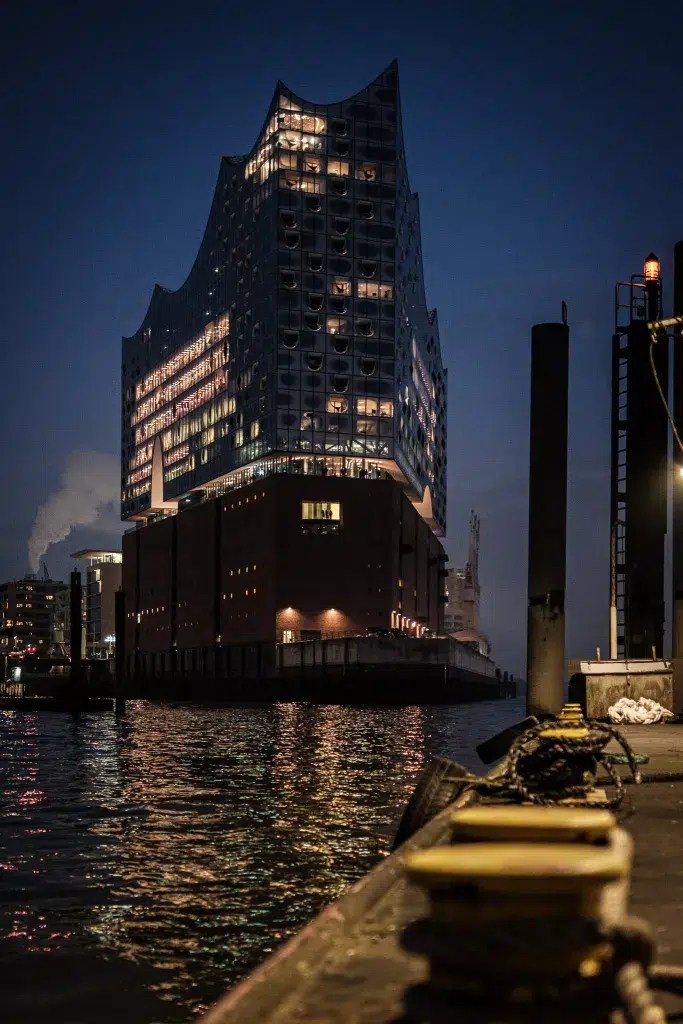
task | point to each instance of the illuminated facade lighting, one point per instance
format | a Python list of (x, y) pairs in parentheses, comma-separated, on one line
[(302, 331)]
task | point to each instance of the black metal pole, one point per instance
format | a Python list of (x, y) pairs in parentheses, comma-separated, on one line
[(76, 629), (547, 516), (677, 465)]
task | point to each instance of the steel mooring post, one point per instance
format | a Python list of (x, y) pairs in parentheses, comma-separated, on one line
[(547, 517), (677, 484)]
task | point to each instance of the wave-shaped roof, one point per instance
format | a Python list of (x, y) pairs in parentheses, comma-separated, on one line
[(162, 294)]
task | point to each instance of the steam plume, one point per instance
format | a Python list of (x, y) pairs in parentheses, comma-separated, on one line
[(90, 483)]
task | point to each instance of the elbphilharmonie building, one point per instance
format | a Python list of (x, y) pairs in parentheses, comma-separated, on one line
[(298, 367)]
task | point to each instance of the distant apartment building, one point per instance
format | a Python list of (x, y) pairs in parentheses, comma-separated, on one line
[(102, 580), (26, 613)]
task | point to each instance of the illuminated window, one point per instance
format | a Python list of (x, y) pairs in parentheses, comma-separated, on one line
[(338, 167), (311, 421), (375, 290), (322, 517), (311, 184), (374, 407), (313, 164), (366, 172), (342, 286), (337, 325), (255, 430), (309, 123), (337, 403), (288, 161)]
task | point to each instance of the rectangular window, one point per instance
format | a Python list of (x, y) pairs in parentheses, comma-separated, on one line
[(374, 407), (323, 517), (366, 172), (337, 325), (375, 290), (288, 161), (337, 403), (338, 167), (313, 164), (341, 286)]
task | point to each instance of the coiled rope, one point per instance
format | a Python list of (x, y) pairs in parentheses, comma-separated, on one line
[(551, 763)]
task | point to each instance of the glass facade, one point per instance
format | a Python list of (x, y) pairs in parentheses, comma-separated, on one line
[(301, 337)]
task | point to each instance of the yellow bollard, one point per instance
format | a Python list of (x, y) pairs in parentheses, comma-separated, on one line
[(513, 916), (531, 824)]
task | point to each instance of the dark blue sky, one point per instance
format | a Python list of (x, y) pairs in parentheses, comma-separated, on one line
[(544, 140)]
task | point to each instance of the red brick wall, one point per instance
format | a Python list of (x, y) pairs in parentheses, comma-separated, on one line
[(129, 571), (272, 576), (155, 586), (248, 564), (196, 624)]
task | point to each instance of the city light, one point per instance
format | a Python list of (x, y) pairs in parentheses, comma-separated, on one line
[(652, 268)]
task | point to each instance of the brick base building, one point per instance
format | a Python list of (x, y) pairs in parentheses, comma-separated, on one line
[(285, 558)]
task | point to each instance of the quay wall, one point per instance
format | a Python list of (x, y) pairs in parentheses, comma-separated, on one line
[(349, 670)]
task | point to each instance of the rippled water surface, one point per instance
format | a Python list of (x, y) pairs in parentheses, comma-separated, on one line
[(147, 863)]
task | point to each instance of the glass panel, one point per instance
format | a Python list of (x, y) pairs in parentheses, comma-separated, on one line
[(321, 510)]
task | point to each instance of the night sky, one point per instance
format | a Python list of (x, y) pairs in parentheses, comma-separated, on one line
[(545, 141)]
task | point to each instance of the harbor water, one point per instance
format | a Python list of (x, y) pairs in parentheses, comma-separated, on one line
[(149, 862)]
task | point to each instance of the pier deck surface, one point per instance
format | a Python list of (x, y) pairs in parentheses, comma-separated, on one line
[(347, 967)]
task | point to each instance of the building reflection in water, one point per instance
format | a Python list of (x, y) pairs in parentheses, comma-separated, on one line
[(168, 853)]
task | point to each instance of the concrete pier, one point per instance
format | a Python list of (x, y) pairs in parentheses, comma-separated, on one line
[(346, 966)]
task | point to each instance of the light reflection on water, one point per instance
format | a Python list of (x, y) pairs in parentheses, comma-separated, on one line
[(147, 863)]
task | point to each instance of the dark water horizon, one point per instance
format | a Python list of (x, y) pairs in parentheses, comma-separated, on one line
[(149, 862)]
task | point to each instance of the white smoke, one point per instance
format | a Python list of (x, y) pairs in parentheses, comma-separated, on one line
[(89, 484)]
